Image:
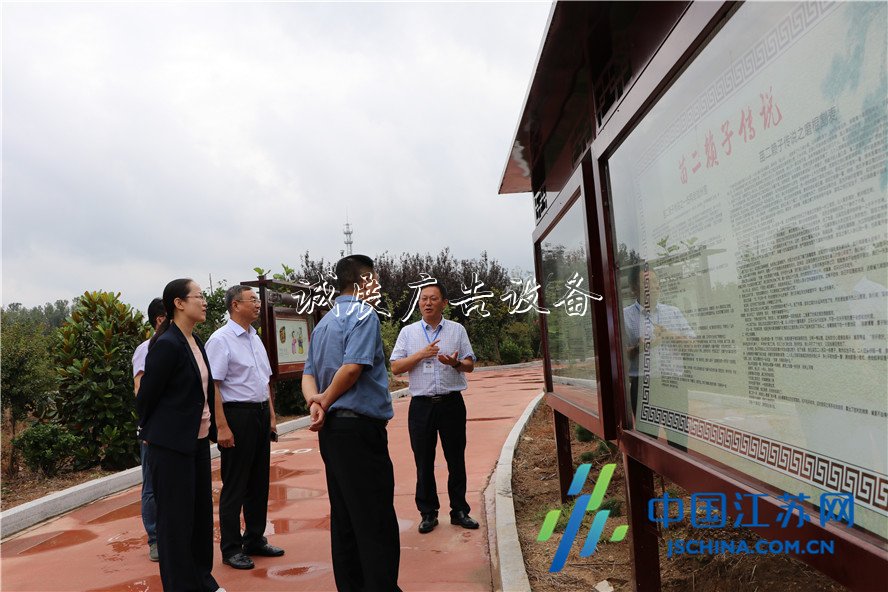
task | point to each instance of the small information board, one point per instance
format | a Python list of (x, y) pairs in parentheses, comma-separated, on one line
[(287, 318)]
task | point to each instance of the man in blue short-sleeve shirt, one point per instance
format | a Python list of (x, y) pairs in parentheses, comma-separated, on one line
[(345, 383)]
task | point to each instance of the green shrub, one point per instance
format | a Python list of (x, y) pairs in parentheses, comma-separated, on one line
[(675, 491), (93, 358), (583, 435), (605, 448), (613, 504), (588, 456), (46, 447), (288, 399), (510, 353), (519, 332)]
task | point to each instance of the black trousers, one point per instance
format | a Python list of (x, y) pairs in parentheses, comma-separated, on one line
[(182, 491), (364, 537), (245, 469), (425, 420)]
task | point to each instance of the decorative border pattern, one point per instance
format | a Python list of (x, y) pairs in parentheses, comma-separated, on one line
[(768, 47), (869, 488)]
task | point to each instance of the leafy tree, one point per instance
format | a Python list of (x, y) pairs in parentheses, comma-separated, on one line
[(520, 334), (396, 273), (50, 316), (389, 329), (27, 379), (93, 357), (216, 311)]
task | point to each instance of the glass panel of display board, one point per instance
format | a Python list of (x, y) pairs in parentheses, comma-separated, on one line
[(751, 221)]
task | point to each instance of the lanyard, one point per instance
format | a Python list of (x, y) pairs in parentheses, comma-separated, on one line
[(434, 335)]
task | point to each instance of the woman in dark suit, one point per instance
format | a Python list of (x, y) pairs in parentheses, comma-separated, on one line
[(175, 406)]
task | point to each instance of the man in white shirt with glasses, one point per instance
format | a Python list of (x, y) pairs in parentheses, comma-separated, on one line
[(246, 424)]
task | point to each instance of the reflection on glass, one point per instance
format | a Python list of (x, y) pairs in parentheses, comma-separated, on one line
[(657, 339), (750, 212), (569, 324)]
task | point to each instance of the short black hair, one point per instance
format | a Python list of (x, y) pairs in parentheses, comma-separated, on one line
[(440, 287), (155, 309), (635, 278), (349, 270)]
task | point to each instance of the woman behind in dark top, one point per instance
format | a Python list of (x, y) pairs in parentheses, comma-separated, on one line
[(175, 406)]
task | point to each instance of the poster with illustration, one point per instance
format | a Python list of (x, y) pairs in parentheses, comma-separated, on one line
[(292, 339)]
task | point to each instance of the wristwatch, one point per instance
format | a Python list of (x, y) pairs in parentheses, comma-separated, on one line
[(457, 365)]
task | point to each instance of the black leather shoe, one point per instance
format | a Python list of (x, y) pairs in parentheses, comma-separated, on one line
[(429, 522), (265, 550), (462, 519), (238, 561)]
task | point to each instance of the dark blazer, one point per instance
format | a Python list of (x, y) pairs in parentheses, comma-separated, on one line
[(170, 399)]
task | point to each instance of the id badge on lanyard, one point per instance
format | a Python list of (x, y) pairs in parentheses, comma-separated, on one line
[(428, 365)]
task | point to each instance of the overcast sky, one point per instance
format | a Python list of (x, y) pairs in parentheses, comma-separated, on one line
[(145, 142)]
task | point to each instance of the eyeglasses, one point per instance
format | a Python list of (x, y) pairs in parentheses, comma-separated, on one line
[(250, 300), (198, 296)]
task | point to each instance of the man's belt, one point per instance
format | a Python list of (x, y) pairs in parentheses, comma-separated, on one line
[(246, 405), (437, 398), (354, 415)]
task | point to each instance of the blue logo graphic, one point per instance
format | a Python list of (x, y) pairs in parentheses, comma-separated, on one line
[(584, 503)]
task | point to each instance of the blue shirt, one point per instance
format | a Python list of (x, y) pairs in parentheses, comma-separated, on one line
[(351, 337), (239, 362), (431, 377)]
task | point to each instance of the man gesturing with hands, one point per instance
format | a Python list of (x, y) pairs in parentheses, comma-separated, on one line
[(436, 404)]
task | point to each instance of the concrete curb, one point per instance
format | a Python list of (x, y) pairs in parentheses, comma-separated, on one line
[(404, 392), (517, 366), (506, 559), (28, 514)]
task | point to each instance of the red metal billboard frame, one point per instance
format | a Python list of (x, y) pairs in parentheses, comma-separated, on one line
[(863, 562)]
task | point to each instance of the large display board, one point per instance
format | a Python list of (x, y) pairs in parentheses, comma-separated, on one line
[(751, 221)]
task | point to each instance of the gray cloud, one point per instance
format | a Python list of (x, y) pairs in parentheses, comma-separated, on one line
[(144, 142)]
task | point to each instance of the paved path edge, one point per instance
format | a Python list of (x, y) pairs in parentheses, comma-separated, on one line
[(506, 559), (21, 517)]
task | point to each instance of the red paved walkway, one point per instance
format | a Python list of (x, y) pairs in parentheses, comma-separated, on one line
[(101, 546)]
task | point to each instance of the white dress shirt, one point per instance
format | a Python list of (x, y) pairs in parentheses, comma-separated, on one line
[(666, 358), (239, 361), (430, 377), (139, 357)]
